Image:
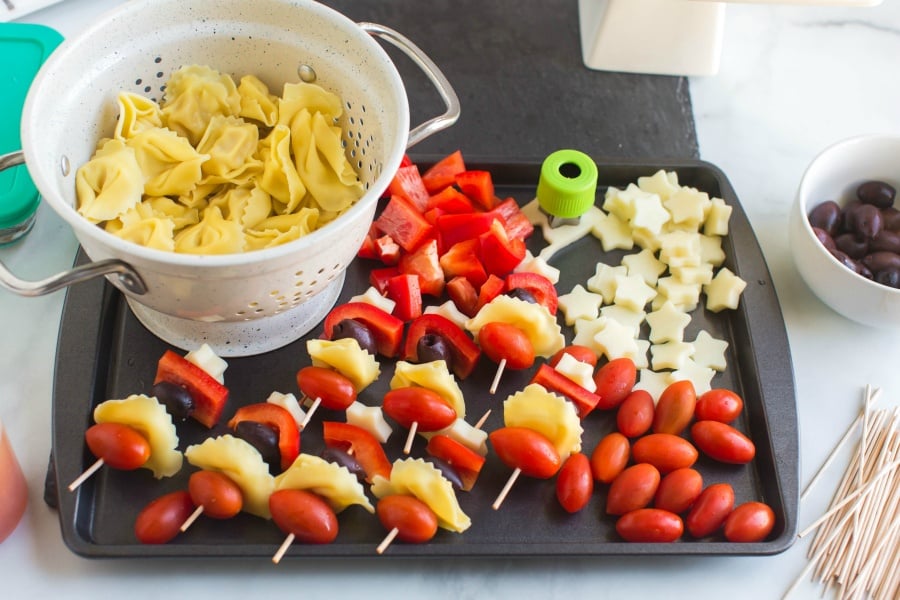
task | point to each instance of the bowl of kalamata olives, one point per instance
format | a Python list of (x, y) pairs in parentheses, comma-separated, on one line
[(845, 228)]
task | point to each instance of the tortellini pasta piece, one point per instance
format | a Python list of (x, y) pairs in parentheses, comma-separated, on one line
[(229, 142), (333, 482), (171, 166), (194, 95), (110, 183), (212, 235), (136, 114), (280, 177), (256, 101)]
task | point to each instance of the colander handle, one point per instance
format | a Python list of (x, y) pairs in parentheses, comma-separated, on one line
[(448, 95), (128, 277)]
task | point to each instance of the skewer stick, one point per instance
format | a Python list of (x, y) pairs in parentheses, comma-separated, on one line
[(387, 540), (190, 520), (505, 491), (309, 414), (283, 548), (410, 437), (86, 475), (498, 375), (482, 420), (831, 456)]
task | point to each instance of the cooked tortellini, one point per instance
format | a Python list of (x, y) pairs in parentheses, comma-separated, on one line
[(218, 167)]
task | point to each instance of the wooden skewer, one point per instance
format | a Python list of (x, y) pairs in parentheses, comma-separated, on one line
[(505, 491), (190, 520), (283, 548), (387, 540), (832, 456), (410, 437), (86, 475), (482, 420), (309, 414), (498, 375)]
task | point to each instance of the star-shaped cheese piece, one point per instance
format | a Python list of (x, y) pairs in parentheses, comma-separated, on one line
[(649, 213), (581, 373), (662, 183), (536, 264), (640, 359), (613, 233), (374, 298), (711, 250), (626, 316), (717, 219), (667, 324), (614, 340), (670, 355), (701, 274), (580, 304), (699, 375), (724, 291), (449, 310), (620, 203), (680, 248), (369, 418), (645, 264), (653, 383), (688, 207), (685, 296), (709, 351), (633, 292), (603, 281)]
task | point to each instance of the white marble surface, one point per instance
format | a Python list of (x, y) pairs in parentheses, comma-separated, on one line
[(792, 80)]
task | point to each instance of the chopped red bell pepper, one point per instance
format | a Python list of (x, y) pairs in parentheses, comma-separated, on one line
[(424, 264), (361, 444), (539, 286), (479, 187), (378, 278), (367, 248), (443, 173), (209, 395), (407, 183), (386, 328), (461, 260), (464, 351), (463, 294), (466, 462), (277, 418), (490, 289), (387, 250), (555, 381), (451, 200), (455, 228), (514, 220), (405, 161), (404, 291), (500, 254), (404, 223)]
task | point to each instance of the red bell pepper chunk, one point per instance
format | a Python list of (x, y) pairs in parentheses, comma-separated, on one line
[(278, 419), (555, 381), (361, 444), (493, 287), (463, 349), (425, 264), (209, 395), (387, 250), (404, 223), (404, 290), (463, 294), (514, 220), (455, 228), (462, 260), (466, 462), (443, 173), (451, 200), (479, 187), (378, 278), (500, 254), (367, 249), (539, 286), (385, 327), (407, 183), (405, 161)]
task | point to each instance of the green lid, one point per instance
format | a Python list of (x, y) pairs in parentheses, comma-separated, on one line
[(24, 48), (568, 184)]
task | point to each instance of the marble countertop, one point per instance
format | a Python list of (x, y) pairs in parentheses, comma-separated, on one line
[(793, 79)]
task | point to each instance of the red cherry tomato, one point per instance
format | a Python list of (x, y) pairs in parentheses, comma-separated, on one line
[(502, 340), (415, 521), (678, 490), (665, 451), (120, 446), (723, 442), (304, 514), (419, 405), (675, 408), (335, 391), (574, 483), (614, 382), (651, 525), (579, 353), (635, 414), (710, 510), (750, 522), (610, 457), (218, 494), (161, 519), (718, 405), (526, 449), (634, 488)]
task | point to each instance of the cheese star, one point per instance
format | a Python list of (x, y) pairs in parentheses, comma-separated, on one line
[(667, 324), (580, 304), (709, 351), (615, 340), (699, 375), (653, 383), (724, 291)]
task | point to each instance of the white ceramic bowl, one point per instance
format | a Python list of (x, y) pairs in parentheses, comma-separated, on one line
[(834, 175)]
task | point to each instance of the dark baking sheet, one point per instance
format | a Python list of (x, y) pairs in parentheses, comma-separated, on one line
[(104, 353)]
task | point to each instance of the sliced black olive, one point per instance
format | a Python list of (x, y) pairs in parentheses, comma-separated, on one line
[(351, 328), (522, 294), (264, 439), (433, 346), (339, 457), (446, 470), (177, 399)]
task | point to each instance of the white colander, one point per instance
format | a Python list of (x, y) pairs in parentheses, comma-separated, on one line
[(240, 304)]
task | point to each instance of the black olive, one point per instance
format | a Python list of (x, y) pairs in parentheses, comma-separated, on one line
[(433, 346), (339, 457), (446, 470), (177, 399), (522, 294), (877, 193), (888, 277), (827, 216), (264, 439), (351, 328)]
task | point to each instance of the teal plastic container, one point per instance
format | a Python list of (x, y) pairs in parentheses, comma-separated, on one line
[(24, 48)]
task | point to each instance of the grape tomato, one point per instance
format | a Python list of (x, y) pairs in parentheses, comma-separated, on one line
[(160, 521), (501, 341), (418, 405), (415, 522), (650, 525), (305, 515), (665, 451), (635, 415), (678, 490), (218, 494), (614, 382), (526, 449), (710, 510), (610, 457), (718, 404), (675, 407), (120, 446), (634, 488), (723, 442), (334, 390), (575, 483), (750, 522)]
